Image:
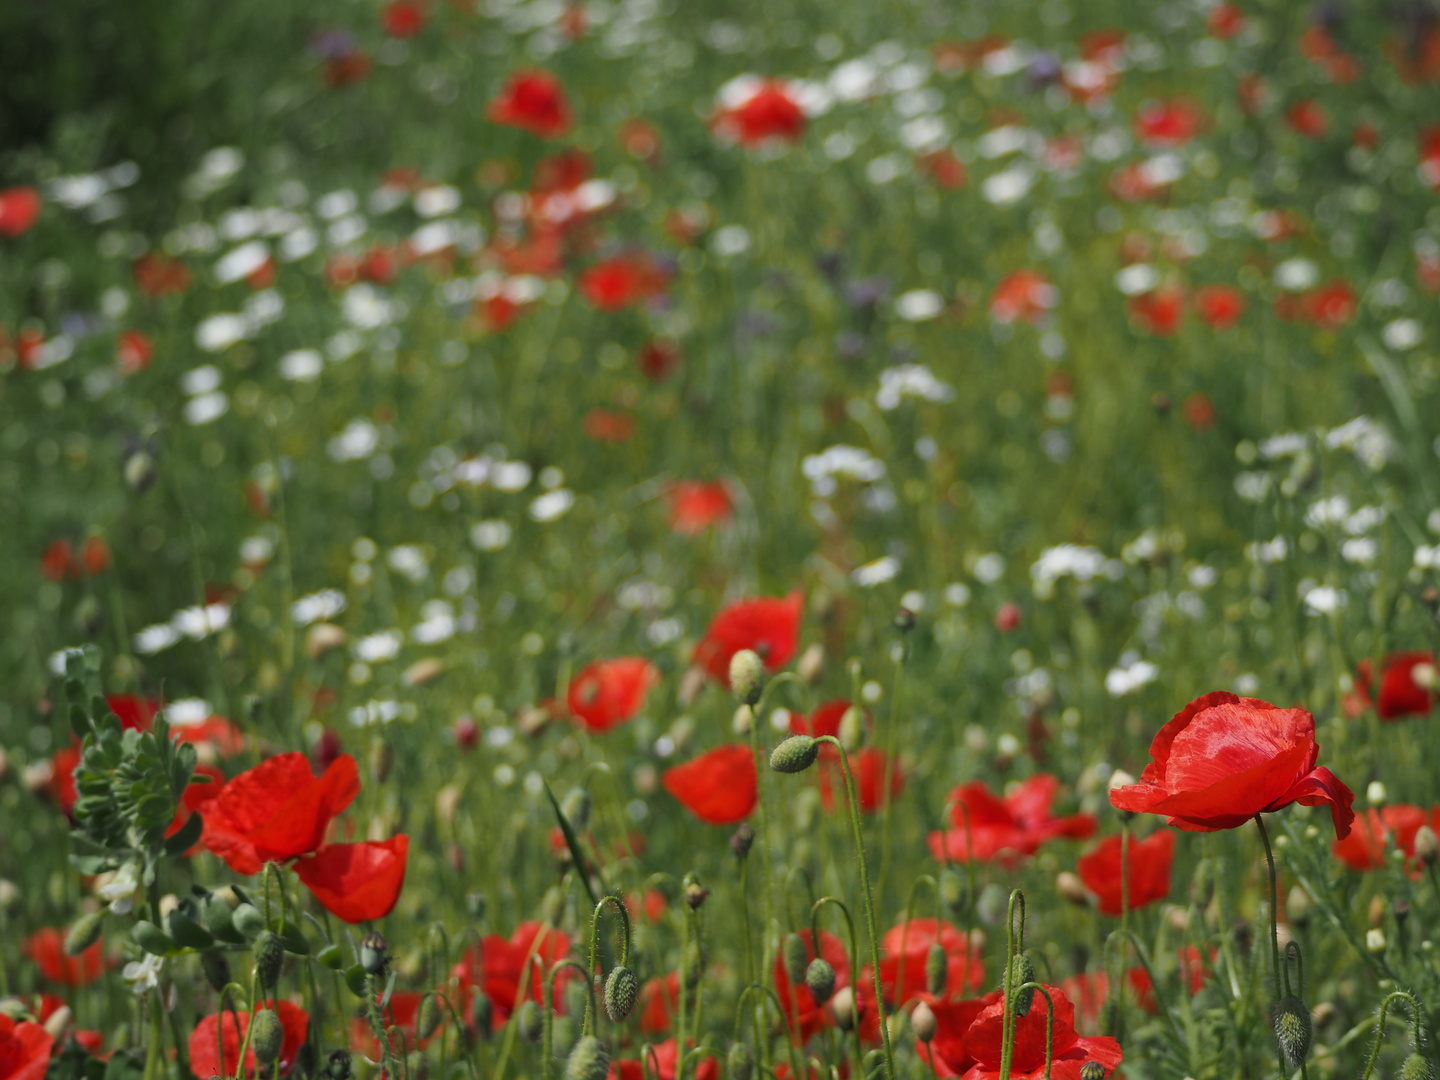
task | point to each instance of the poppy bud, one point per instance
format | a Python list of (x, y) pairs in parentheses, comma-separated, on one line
[(530, 1022), (843, 1006), (741, 1066), (1416, 1067), (922, 1022), (84, 933), (140, 471), (428, 1018), (373, 956), (1092, 1070), (695, 895), (795, 754), (905, 620), (216, 967), (796, 958), (741, 841), (695, 961), (588, 1061), (380, 758), (874, 1065), (1297, 906), (622, 989), (1022, 971), (1293, 1029), (266, 1036), (747, 676), (1400, 908), (1071, 888), (1202, 885), (269, 956), (58, 1021), (576, 808), (1427, 845), (954, 893), (850, 729), (1118, 779), (481, 1015), (811, 664), (338, 1067), (820, 978), (937, 969)]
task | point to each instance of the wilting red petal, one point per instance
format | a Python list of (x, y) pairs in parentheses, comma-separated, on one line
[(277, 810), (718, 787), (357, 882), (1148, 860), (607, 693)]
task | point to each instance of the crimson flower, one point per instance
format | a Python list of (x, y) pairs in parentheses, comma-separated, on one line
[(1090, 990), (606, 693), (1148, 863), (868, 766), (695, 505), (357, 882), (1070, 1051), (1168, 123), (806, 1017), (1006, 828), (946, 1051), (768, 625), (19, 209), (659, 1000), (964, 971), (1159, 312), (608, 426), (47, 949), (1223, 759), (662, 1059), (24, 1050), (1219, 305), (756, 112), (277, 810), (403, 1012), (402, 18), (534, 101), (1225, 21), (1329, 306), (133, 352), (616, 283), (158, 275), (215, 1042), (494, 966), (1378, 832), (1308, 119), (1024, 294), (719, 787), (1400, 694)]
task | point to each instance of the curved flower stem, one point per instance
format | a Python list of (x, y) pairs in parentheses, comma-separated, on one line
[(1274, 933), (1014, 946), (594, 934), (854, 961), (1049, 1023), (765, 856), (905, 931), (547, 1051), (760, 1028), (509, 1042), (1380, 1028), (377, 1025), (869, 909)]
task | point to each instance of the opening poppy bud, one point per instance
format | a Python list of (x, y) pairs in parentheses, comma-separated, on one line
[(742, 840), (58, 1021), (922, 1022), (588, 1061), (338, 1067), (695, 961), (1416, 1067), (1425, 676), (843, 1006), (797, 958), (820, 978), (747, 676), (530, 1023), (1293, 1029), (1022, 971), (937, 969), (850, 729), (1070, 887), (954, 892), (1092, 1070), (248, 921), (481, 1014), (622, 989), (428, 1019), (576, 808), (84, 933), (1119, 779), (795, 754), (811, 664), (269, 956), (216, 967), (373, 954), (1427, 845), (739, 1064), (695, 895), (266, 1036)]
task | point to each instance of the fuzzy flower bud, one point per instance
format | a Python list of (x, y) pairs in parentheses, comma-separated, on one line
[(820, 978), (1293, 1028), (269, 956), (796, 958), (338, 1067), (1070, 887), (530, 1022), (795, 754), (576, 807), (1417, 1067), (954, 893), (428, 1019), (373, 954), (922, 1022), (481, 1015), (851, 729), (266, 1036), (622, 989), (588, 1061), (84, 933), (937, 969), (747, 676), (742, 840), (1427, 845), (1022, 971), (739, 1062), (811, 664)]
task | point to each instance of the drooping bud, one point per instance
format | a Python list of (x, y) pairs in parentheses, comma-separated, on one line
[(797, 958), (954, 893), (84, 933), (576, 807), (1293, 1029), (481, 1014), (747, 676), (922, 1022), (622, 989), (428, 1018), (266, 1036), (530, 1022), (1022, 971), (937, 969), (1092, 1070), (588, 1061), (216, 967), (843, 1006), (269, 956), (795, 754), (695, 895), (742, 840), (1417, 1067), (373, 954), (820, 978), (338, 1066), (739, 1063), (851, 729), (1427, 845)]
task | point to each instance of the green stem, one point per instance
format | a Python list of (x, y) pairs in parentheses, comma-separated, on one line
[(1274, 932), (765, 852), (1014, 946), (377, 1025), (594, 934), (854, 961), (547, 1044), (892, 732)]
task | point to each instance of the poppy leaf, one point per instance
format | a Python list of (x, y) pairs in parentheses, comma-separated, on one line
[(291, 936), (79, 722), (573, 843), (187, 837)]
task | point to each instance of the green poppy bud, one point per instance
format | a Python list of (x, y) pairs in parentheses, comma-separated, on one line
[(1416, 1067), (740, 1064), (338, 1067), (797, 958), (269, 956), (747, 676), (530, 1022), (481, 1015), (266, 1036), (954, 892), (1092, 1070), (820, 978), (1022, 971), (576, 807), (373, 954), (1293, 1028), (937, 970), (923, 1022), (84, 933), (795, 754), (428, 1019), (248, 921), (216, 967), (622, 989), (588, 1061)]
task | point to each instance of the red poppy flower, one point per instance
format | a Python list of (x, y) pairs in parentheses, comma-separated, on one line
[(806, 1017), (277, 810), (942, 166), (1199, 411), (1308, 119), (868, 768), (659, 1001), (534, 101), (718, 787), (47, 949), (403, 1012), (1008, 617), (1024, 294), (667, 1056), (768, 625), (133, 351), (158, 275), (1378, 832), (1070, 1051), (1159, 312), (1219, 305), (1148, 861), (19, 209), (617, 283), (212, 735), (1225, 21), (606, 693), (758, 112), (24, 1050), (1400, 694), (357, 882), (1430, 156), (657, 359), (1223, 759), (58, 561), (1090, 991), (1006, 828), (695, 505), (952, 1021), (494, 967), (1168, 124), (402, 18), (344, 70), (215, 1042), (965, 971), (607, 425)]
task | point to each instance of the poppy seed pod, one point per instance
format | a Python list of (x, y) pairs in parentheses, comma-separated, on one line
[(530, 1022), (796, 956), (373, 954), (428, 1018), (269, 956), (1022, 971), (922, 1022), (266, 1036), (954, 893), (588, 1061), (843, 1006), (1293, 1028), (338, 1067), (216, 967), (84, 933), (747, 676), (1416, 1067), (622, 988), (576, 808), (1427, 845), (820, 978), (740, 1064), (795, 754), (937, 969), (1092, 1070)]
